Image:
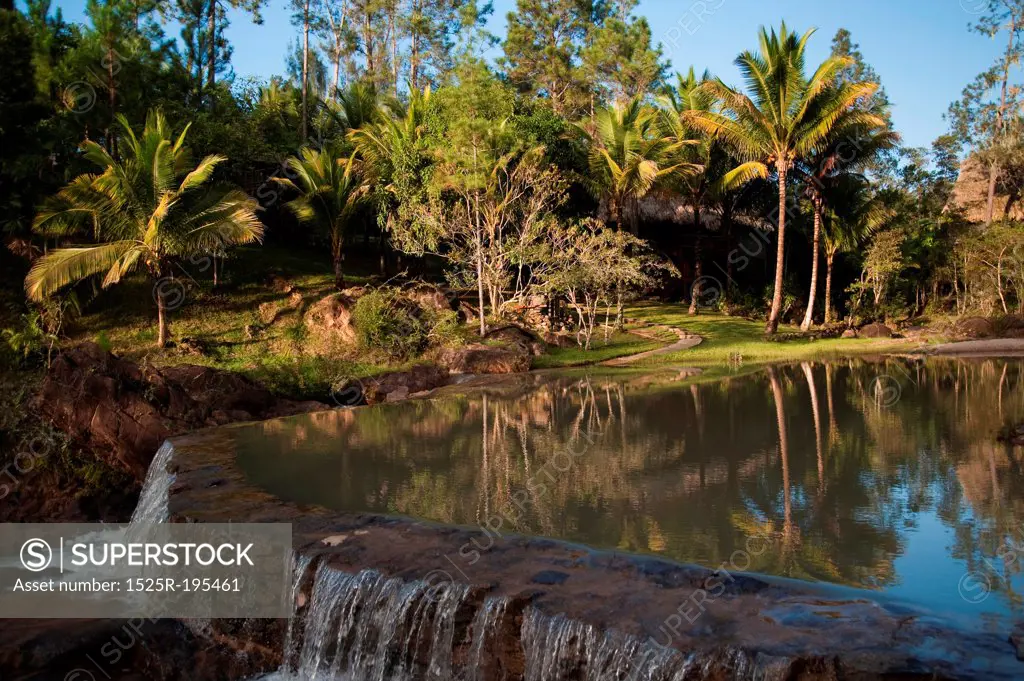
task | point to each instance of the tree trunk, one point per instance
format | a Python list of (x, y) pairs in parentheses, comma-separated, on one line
[(369, 45), (394, 47), (112, 95), (828, 287), (305, 71), (993, 174), (161, 318), (809, 315), (773, 317), (993, 169), (695, 290), (414, 51), (727, 229), (339, 275), (211, 49), (480, 285)]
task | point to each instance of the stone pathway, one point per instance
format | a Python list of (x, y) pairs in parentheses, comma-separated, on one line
[(686, 341)]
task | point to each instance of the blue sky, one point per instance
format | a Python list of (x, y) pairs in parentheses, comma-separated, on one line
[(921, 48)]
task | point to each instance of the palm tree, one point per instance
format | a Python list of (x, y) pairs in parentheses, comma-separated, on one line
[(146, 210), (331, 188), (628, 155), (699, 149), (853, 214), (785, 117), (851, 147), (379, 143), (356, 106)]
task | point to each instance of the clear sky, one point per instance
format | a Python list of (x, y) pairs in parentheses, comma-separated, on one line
[(921, 49)]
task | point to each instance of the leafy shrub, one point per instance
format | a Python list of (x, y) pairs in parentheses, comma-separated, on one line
[(444, 327), (389, 324)]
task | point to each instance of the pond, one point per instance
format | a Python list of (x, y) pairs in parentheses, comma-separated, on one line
[(886, 476)]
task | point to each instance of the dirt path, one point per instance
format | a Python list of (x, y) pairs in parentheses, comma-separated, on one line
[(686, 341)]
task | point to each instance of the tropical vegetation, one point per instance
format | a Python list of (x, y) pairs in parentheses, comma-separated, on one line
[(573, 174)]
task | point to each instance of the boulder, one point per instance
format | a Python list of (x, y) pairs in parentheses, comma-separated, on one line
[(428, 297), (849, 333), (975, 327), (875, 330), (560, 339), (485, 359), (399, 385), (520, 338), (122, 412), (280, 284), (331, 317), (267, 311)]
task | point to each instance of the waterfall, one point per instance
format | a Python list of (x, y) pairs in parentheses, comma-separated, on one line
[(560, 648), (367, 627), (153, 501)]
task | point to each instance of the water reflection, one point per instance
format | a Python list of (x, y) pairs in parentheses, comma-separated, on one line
[(883, 475)]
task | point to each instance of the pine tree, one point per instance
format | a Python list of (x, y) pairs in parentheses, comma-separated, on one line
[(543, 48), (620, 58)]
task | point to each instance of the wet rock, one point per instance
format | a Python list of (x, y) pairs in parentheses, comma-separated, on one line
[(520, 338), (974, 327), (549, 577), (875, 330), (398, 394), (121, 412), (399, 385), (1017, 641), (485, 359)]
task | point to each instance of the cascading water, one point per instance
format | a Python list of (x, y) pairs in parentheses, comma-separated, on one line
[(153, 501), (367, 627)]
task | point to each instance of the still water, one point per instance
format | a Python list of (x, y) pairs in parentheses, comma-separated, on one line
[(884, 476)]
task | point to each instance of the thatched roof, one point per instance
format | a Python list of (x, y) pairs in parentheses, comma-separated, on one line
[(970, 195), (662, 206)]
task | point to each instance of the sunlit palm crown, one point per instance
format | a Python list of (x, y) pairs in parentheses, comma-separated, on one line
[(628, 152), (144, 209), (696, 145), (330, 186), (786, 115)]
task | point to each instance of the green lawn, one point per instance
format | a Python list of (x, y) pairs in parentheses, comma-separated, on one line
[(735, 341), (618, 345)]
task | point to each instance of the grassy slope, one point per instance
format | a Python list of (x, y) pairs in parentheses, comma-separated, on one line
[(125, 318), (737, 342), (618, 345)]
